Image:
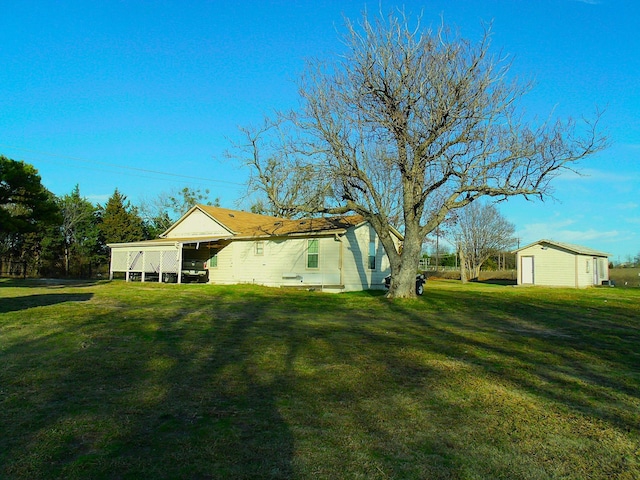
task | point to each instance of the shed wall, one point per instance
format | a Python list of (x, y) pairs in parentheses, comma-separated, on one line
[(591, 270), (551, 266), (557, 267)]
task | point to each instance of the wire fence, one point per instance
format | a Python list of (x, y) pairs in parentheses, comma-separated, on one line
[(426, 267)]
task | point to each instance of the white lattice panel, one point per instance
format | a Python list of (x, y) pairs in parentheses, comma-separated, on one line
[(152, 261), (170, 261), (135, 261), (119, 261)]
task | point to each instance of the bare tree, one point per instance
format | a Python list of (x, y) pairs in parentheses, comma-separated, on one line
[(480, 231), (408, 126), (285, 183), (79, 229)]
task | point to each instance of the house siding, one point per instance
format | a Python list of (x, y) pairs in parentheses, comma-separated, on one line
[(551, 266), (591, 270), (223, 272), (356, 274), (283, 263), (343, 250)]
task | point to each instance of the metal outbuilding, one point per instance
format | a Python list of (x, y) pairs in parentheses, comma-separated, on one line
[(558, 264)]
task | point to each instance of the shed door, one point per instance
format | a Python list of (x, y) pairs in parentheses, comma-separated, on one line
[(526, 267)]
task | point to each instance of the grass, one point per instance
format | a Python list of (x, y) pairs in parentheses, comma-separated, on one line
[(128, 381), (626, 277)]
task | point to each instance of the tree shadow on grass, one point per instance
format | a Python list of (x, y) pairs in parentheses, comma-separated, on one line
[(13, 304), (48, 282), (579, 357), (207, 383), (498, 281), (142, 393)]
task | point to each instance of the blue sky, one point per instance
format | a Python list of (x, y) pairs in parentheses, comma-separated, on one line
[(146, 96)]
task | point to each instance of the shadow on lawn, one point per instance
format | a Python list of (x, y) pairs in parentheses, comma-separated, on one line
[(48, 282), (13, 304), (140, 395), (577, 357), (498, 281), (219, 385)]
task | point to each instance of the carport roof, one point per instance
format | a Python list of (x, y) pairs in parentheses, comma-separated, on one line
[(159, 242)]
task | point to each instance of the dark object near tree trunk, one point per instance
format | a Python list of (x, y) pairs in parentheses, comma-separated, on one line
[(420, 281)]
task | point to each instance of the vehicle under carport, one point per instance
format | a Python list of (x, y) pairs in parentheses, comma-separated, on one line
[(163, 260)]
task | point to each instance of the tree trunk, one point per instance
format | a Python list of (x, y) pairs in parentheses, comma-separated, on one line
[(67, 254), (475, 272), (463, 266), (403, 274)]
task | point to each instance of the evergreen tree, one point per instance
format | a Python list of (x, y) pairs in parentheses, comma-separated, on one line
[(121, 221), (24, 201), (27, 212)]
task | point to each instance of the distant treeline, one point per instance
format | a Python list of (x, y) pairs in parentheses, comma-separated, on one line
[(44, 235)]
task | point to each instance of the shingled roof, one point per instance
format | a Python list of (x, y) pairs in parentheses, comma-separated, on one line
[(246, 224)]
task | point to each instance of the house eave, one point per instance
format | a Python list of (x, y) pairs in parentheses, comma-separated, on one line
[(267, 236)]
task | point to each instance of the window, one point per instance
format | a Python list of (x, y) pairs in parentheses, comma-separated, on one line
[(372, 255), (213, 261), (588, 266), (259, 248), (312, 253)]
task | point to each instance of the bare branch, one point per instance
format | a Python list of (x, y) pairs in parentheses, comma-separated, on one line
[(406, 127)]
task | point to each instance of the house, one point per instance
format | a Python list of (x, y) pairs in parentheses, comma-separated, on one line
[(224, 246), (551, 263)]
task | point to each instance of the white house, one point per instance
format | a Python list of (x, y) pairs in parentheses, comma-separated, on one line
[(551, 263), (227, 247)]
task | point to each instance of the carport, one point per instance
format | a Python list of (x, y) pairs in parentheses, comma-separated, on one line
[(162, 260)]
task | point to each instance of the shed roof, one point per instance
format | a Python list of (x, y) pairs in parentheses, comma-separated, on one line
[(577, 249)]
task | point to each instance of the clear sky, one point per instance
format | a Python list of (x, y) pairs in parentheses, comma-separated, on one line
[(146, 96)]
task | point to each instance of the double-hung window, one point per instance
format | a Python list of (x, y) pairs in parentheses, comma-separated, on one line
[(372, 255), (312, 253)]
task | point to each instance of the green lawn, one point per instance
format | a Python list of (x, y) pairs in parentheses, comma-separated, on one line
[(129, 381)]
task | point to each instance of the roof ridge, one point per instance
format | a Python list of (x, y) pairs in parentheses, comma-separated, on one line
[(580, 249)]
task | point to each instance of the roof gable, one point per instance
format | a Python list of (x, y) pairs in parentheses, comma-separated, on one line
[(196, 223)]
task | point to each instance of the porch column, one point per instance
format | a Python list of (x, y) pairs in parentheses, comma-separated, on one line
[(126, 274), (180, 263)]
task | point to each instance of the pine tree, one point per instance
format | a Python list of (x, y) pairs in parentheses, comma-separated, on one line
[(121, 221)]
